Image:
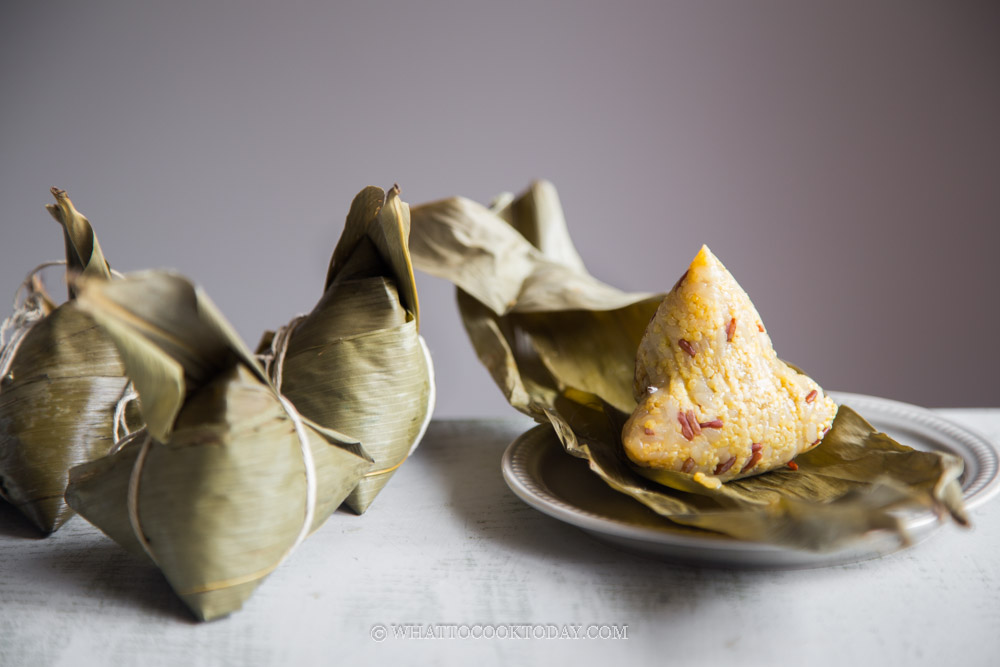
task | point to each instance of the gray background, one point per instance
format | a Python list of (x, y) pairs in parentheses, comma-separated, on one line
[(841, 158)]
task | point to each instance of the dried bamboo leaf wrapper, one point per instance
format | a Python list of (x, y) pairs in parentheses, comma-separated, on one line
[(232, 482), (374, 306), (59, 391), (464, 242), (388, 358), (83, 251), (565, 342), (538, 216), (572, 366), (357, 362), (846, 487), (551, 313), (861, 472), (513, 374), (57, 412)]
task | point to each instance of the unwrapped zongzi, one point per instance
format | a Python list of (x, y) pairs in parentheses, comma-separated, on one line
[(714, 400), (562, 348)]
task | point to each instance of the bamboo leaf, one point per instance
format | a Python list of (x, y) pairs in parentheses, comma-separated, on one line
[(83, 252)]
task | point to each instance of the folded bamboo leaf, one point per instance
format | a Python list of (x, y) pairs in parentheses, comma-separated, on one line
[(227, 478), (468, 244), (83, 252), (538, 216), (552, 314), (61, 380), (562, 348), (357, 362), (842, 489)]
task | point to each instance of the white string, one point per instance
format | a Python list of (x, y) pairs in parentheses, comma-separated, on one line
[(26, 315), (273, 359), (127, 439), (120, 422), (431, 399), (274, 364), (133, 491), (310, 469)]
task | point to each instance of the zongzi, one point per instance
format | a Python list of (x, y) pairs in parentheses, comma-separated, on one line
[(226, 478), (61, 380), (357, 362), (714, 400)]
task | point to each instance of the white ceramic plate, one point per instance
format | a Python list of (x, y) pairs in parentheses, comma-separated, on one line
[(537, 469)]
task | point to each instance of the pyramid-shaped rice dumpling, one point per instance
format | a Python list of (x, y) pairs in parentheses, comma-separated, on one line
[(60, 380), (357, 363), (715, 401), (226, 478)]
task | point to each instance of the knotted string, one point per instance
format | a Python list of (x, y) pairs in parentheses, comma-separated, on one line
[(273, 359), (27, 314), (121, 427)]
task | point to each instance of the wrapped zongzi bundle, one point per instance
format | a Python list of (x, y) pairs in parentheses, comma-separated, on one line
[(226, 478), (714, 400), (357, 362), (60, 380)]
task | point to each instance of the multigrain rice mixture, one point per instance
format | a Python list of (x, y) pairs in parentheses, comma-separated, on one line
[(714, 399)]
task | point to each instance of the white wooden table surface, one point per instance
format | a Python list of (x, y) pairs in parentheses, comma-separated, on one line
[(448, 544)]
